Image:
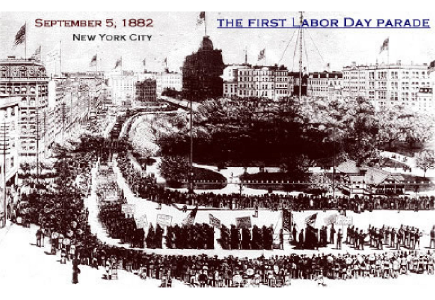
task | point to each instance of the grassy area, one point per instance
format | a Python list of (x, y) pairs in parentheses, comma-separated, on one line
[(175, 170)]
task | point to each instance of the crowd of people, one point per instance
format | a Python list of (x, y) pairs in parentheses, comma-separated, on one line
[(146, 187), (405, 236), (63, 221), (120, 226), (196, 236), (235, 238)]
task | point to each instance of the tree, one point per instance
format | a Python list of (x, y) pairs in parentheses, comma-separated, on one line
[(391, 124), (418, 128), (425, 160)]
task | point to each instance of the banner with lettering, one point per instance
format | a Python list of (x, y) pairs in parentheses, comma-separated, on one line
[(243, 222), (164, 220), (142, 222), (215, 221)]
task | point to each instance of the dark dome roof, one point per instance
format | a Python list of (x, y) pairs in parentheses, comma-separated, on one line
[(206, 43)]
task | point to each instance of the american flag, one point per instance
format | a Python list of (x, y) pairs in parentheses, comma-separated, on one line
[(21, 35), (190, 219), (385, 45), (201, 18), (93, 61), (118, 63), (37, 54), (262, 54), (311, 220)]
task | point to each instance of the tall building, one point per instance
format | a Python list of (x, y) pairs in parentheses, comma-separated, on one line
[(169, 80), (9, 137), (230, 78), (270, 82), (122, 86), (202, 72), (387, 84), (27, 80), (325, 84), (9, 141), (425, 100), (145, 92)]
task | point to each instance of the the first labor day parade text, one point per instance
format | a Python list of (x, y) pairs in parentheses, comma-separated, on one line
[(323, 23)]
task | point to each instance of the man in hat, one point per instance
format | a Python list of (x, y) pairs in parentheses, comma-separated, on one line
[(76, 272), (339, 238), (331, 234)]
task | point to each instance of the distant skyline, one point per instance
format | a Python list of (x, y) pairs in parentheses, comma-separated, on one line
[(176, 34)]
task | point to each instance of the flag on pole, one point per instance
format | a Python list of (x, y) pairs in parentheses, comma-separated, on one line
[(215, 222), (37, 55), (201, 18), (262, 54), (287, 219), (93, 62), (118, 63), (53, 55), (385, 45), (21, 35), (311, 220), (191, 217)]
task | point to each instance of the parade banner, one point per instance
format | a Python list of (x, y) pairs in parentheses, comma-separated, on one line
[(343, 220), (128, 208), (287, 219), (215, 221), (330, 219), (243, 222), (142, 222), (164, 220)]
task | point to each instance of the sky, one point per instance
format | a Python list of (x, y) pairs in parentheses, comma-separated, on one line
[(176, 34)]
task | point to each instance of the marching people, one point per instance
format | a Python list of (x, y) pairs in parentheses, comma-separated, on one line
[(38, 237), (76, 272), (339, 238), (331, 234)]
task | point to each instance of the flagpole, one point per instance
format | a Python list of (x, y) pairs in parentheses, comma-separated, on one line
[(60, 58), (265, 56), (25, 40), (205, 24), (388, 52)]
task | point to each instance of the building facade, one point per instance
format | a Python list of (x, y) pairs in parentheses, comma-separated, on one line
[(122, 87), (270, 82), (387, 84), (168, 80), (202, 73), (9, 137), (325, 84), (145, 92), (27, 80)]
